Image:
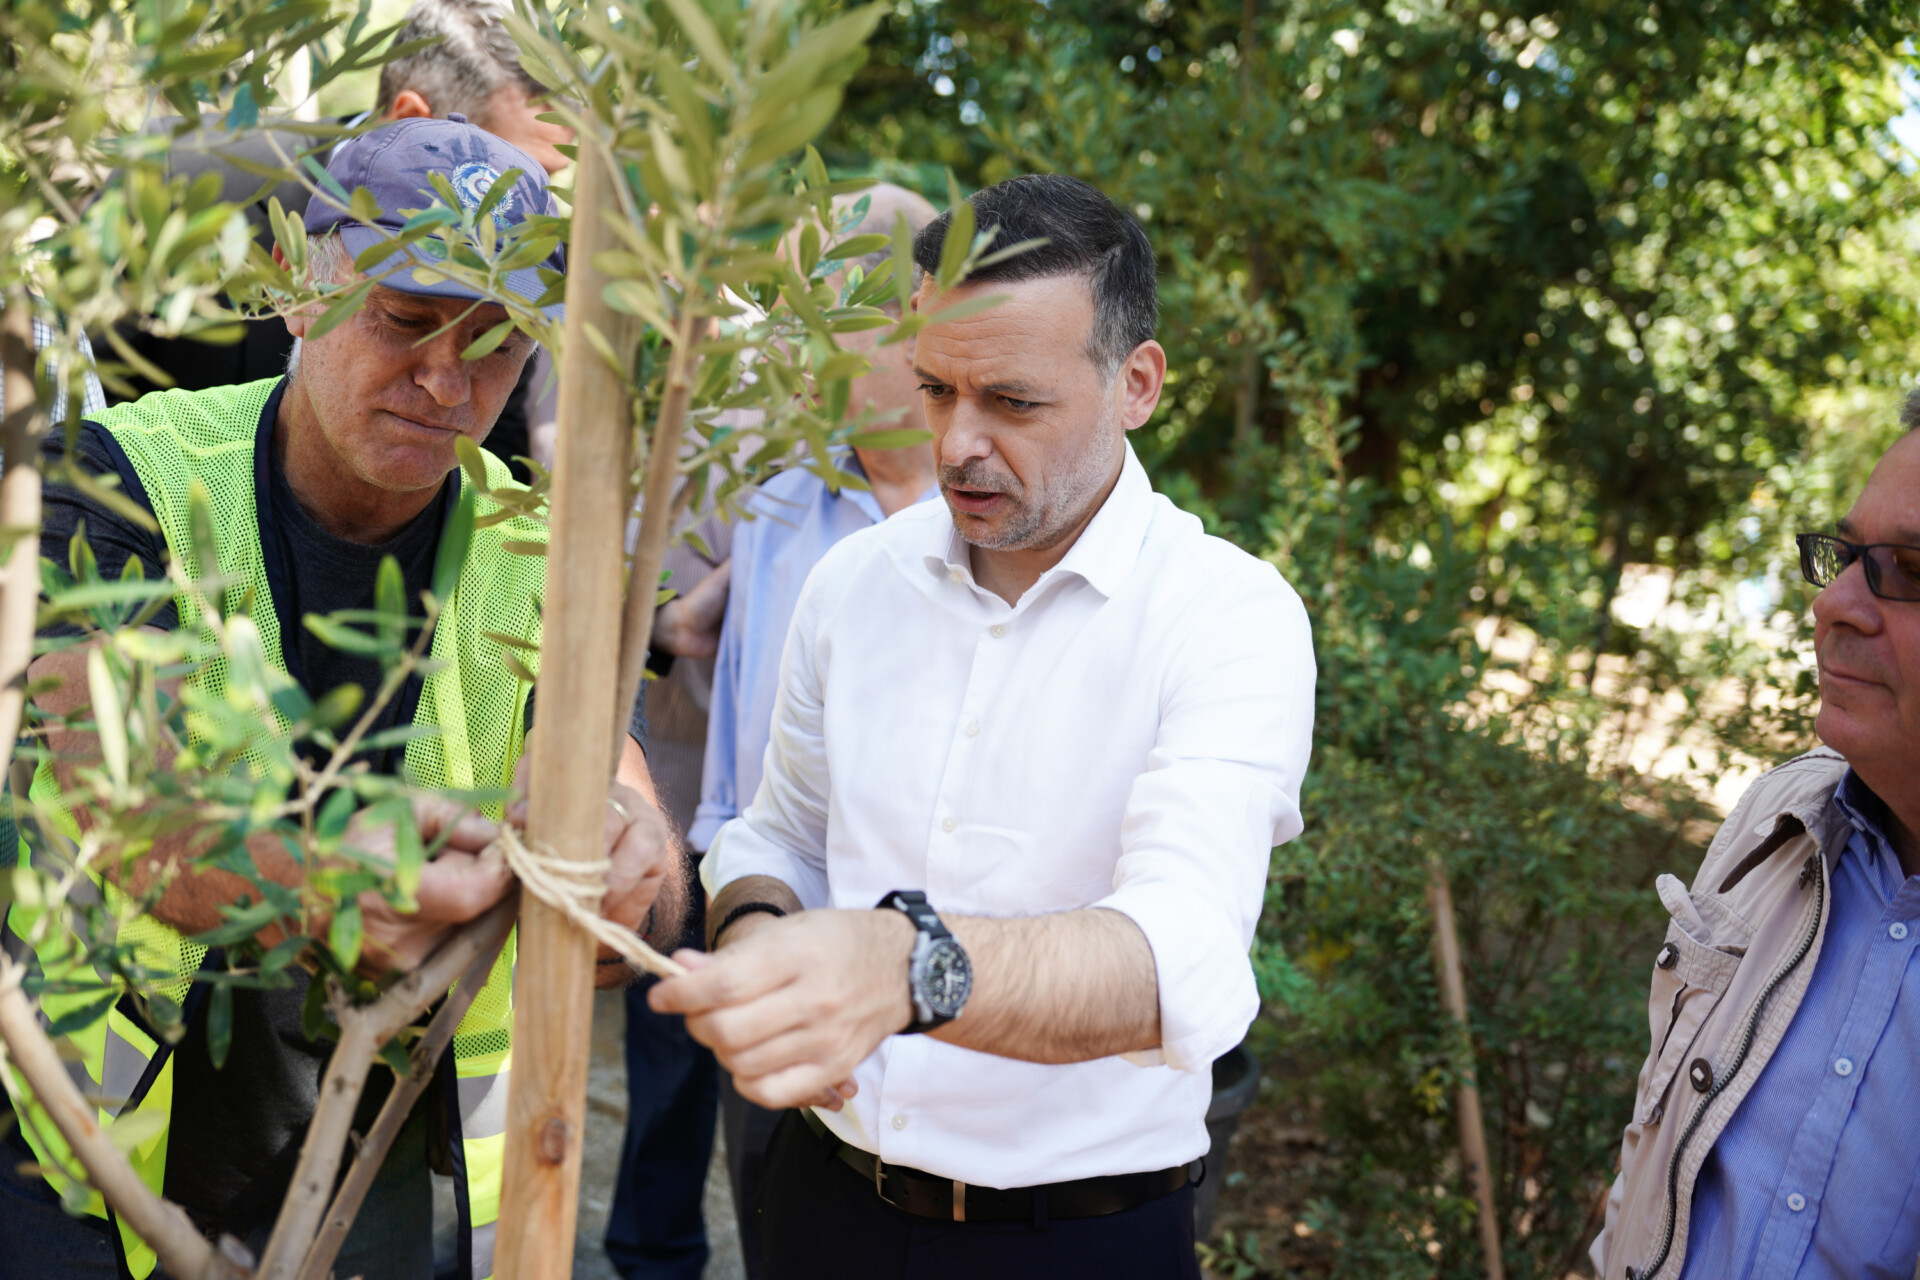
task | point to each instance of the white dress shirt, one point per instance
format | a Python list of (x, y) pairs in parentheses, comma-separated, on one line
[(1131, 735)]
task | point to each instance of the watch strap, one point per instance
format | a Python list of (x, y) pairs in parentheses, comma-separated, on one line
[(929, 931), (913, 904)]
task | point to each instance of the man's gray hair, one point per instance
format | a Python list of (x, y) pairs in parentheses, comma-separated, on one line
[(1910, 411), (472, 61), (330, 263), (886, 202)]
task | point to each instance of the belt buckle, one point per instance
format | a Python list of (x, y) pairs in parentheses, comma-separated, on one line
[(880, 1178)]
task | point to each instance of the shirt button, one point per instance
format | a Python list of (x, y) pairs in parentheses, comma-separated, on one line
[(973, 728), (899, 1122), (996, 631), (1795, 1202), (1843, 1066), (956, 575), (948, 824), (1897, 931)]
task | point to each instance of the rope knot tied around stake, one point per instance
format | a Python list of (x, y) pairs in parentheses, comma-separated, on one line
[(575, 888)]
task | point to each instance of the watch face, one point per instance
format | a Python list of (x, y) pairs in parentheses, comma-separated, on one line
[(947, 977)]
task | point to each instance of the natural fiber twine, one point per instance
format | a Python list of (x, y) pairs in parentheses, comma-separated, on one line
[(575, 889)]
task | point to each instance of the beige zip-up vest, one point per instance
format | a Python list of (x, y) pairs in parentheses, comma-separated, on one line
[(1737, 960)]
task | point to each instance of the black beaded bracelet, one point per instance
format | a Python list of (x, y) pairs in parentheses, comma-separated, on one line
[(745, 909)]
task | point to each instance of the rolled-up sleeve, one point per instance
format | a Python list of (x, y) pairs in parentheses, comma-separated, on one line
[(783, 832), (1220, 789)]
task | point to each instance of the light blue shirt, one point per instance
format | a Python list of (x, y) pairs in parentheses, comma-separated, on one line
[(93, 399), (796, 518), (1818, 1173)]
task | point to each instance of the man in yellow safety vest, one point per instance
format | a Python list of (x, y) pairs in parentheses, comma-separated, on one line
[(315, 479)]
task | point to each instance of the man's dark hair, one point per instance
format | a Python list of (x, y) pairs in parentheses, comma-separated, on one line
[(1910, 411), (1087, 235)]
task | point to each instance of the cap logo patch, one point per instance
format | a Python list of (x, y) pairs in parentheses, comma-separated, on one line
[(471, 182)]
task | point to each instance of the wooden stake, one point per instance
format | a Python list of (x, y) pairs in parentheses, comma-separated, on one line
[(19, 515), (576, 720), (1473, 1131)]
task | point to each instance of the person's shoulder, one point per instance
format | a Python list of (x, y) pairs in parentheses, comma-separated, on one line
[(864, 549), (92, 446), (1758, 850), (866, 556), (1191, 560), (1801, 787), (205, 417), (789, 484), (1812, 774), (1219, 606), (779, 503)]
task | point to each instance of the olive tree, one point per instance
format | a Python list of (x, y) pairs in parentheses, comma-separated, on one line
[(711, 274)]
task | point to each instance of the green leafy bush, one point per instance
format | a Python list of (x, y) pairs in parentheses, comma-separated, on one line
[(1551, 864), (1551, 876)]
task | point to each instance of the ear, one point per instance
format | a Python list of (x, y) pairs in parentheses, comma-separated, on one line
[(409, 105), (1138, 384), (300, 321)]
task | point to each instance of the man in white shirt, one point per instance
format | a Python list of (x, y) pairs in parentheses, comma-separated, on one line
[(1054, 730), (794, 519)]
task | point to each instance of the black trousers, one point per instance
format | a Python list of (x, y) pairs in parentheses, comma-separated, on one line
[(749, 1132), (821, 1221), (657, 1230)]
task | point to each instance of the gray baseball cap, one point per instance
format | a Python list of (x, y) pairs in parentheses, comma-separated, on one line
[(393, 164)]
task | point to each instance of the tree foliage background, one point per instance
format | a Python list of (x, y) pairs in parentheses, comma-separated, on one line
[(1521, 337)]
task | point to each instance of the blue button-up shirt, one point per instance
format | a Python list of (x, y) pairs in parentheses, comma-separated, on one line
[(796, 519), (1818, 1173)]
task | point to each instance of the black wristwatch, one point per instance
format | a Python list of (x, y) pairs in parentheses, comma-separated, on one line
[(939, 974)]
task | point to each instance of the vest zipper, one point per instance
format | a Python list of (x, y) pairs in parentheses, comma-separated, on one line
[(1812, 871)]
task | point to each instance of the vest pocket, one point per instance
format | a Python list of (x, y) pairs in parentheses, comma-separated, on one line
[(1689, 977)]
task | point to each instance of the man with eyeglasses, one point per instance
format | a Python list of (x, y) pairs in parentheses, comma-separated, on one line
[(1773, 1135)]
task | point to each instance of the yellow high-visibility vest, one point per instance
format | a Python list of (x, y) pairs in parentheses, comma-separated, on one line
[(474, 701)]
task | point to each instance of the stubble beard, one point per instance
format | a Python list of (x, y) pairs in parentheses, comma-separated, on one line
[(1042, 520)]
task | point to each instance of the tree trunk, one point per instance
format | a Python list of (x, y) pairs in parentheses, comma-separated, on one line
[(657, 514), (487, 936), (183, 1251), (578, 716)]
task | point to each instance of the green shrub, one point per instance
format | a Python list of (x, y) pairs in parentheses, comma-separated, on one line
[(1551, 864), (1551, 877)]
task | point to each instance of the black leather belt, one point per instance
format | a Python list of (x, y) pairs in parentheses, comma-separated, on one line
[(925, 1196)]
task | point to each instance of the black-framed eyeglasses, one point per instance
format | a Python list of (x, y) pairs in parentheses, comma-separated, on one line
[(1893, 570)]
